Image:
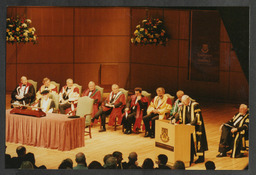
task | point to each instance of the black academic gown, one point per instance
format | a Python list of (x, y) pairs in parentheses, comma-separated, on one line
[(194, 117)]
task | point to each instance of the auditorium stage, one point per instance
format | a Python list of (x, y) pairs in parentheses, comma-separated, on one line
[(214, 115)]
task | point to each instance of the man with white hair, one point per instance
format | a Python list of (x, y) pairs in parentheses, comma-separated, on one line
[(24, 93), (113, 106), (177, 103), (190, 114), (95, 94), (68, 96), (237, 127)]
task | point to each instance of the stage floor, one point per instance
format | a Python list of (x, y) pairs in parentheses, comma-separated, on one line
[(214, 115)]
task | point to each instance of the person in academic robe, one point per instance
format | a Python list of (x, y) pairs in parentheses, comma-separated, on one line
[(69, 95), (112, 106), (135, 109), (160, 105), (95, 94), (176, 106), (24, 93), (47, 85), (45, 103), (190, 114), (233, 133)]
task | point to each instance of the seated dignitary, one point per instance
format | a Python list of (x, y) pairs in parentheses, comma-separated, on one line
[(135, 109), (46, 86), (24, 93), (190, 114), (233, 132), (45, 103), (160, 105), (177, 104), (68, 96), (93, 93), (112, 106)]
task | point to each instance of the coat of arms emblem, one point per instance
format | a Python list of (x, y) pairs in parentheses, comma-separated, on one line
[(164, 135)]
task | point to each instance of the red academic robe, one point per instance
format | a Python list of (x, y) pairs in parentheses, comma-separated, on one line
[(95, 95), (139, 111), (116, 112)]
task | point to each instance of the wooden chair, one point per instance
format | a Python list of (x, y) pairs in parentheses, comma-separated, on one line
[(55, 97), (101, 91), (34, 83), (57, 85), (79, 87), (146, 94), (84, 109)]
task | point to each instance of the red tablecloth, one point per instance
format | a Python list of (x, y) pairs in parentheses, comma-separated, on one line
[(55, 131)]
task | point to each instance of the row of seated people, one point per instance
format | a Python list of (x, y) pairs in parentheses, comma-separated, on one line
[(184, 111)]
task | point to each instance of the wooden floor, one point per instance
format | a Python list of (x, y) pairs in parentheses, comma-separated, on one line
[(214, 115)]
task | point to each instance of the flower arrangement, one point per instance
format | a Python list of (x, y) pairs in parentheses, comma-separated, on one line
[(150, 31), (19, 30)]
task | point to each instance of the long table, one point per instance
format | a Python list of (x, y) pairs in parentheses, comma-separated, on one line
[(55, 131)]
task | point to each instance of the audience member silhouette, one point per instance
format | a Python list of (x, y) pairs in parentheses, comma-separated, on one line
[(148, 164)]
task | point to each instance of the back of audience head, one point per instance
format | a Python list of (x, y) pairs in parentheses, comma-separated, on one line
[(209, 165), (106, 157), (162, 159), (80, 159), (179, 165), (118, 155), (21, 151), (66, 164), (148, 164), (111, 163), (133, 157), (26, 165), (95, 165)]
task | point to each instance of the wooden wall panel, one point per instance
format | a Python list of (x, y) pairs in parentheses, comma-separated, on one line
[(109, 74), (124, 75), (183, 53), (149, 77), (10, 77), (102, 21), (137, 14), (239, 88), (223, 33), (50, 20), (204, 89), (171, 21), (102, 49), (48, 50), (36, 72), (224, 56), (83, 73), (159, 55), (184, 24), (234, 63), (156, 13), (11, 53)]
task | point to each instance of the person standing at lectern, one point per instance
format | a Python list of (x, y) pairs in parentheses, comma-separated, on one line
[(190, 114)]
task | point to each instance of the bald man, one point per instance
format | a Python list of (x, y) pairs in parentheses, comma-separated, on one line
[(95, 94), (24, 93), (81, 161), (69, 95), (237, 127), (190, 114), (177, 103), (132, 164), (113, 106)]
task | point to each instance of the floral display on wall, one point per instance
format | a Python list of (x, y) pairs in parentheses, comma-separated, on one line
[(19, 31), (150, 31)]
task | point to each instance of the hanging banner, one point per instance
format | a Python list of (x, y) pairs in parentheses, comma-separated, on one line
[(205, 46)]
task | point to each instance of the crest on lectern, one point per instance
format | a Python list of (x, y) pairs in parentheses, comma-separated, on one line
[(164, 135)]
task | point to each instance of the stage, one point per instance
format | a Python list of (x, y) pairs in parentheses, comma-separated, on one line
[(214, 115)]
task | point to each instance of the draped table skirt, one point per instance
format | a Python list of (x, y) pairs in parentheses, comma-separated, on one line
[(55, 131)]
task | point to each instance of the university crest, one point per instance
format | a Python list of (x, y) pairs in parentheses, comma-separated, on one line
[(164, 135)]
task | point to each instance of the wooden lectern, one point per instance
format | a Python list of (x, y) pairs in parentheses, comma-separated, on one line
[(173, 141)]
